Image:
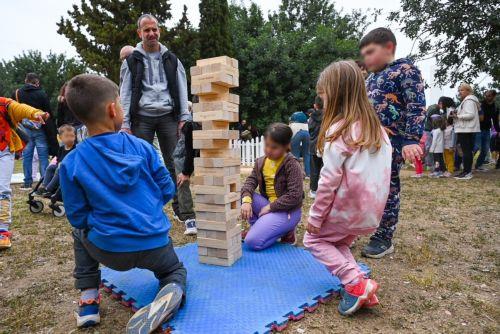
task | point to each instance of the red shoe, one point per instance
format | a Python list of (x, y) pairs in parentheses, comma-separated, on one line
[(372, 302), (289, 238)]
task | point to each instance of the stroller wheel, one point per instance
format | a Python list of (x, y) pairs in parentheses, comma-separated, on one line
[(36, 206), (58, 211)]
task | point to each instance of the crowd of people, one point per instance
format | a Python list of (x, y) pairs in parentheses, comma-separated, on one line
[(367, 120)]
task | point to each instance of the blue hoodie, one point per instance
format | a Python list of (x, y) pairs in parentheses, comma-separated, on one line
[(115, 186)]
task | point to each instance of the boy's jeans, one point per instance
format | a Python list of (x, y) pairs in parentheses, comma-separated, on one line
[(483, 143), (6, 170), (51, 178), (38, 140), (300, 147), (162, 261)]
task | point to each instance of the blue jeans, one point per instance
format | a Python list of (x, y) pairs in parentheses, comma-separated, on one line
[(483, 143), (6, 170), (38, 140), (300, 147)]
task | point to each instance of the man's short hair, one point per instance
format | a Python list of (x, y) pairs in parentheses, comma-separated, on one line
[(88, 94), (491, 91), (145, 16), (32, 78), (318, 101), (378, 36)]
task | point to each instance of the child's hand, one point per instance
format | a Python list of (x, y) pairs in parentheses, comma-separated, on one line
[(246, 211), (312, 229), (181, 178), (42, 117), (412, 152), (265, 210)]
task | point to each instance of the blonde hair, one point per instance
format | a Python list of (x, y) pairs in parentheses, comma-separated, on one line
[(346, 100), (466, 86)]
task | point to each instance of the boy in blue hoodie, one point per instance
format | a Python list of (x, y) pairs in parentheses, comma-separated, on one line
[(114, 188), (396, 91)]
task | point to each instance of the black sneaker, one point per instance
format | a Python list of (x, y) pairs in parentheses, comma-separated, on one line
[(464, 176), (377, 248)]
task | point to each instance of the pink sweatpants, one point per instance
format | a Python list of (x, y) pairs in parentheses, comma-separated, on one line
[(332, 249)]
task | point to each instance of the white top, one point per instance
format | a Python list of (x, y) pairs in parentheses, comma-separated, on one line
[(467, 116), (296, 127), (437, 145), (449, 137)]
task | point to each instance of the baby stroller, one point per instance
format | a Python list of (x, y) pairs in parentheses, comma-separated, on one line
[(36, 205)]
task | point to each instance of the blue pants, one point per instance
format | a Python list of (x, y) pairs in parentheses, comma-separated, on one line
[(300, 147), (391, 211), (38, 140), (483, 139), (6, 170), (51, 178)]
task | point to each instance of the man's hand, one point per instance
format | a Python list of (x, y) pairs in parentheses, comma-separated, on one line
[(181, 178), (412, 152), (265, 210), (246, 211), (312, 229), (179, 128), (126, 130)]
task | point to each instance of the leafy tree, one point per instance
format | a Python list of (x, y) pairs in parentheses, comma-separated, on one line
[(100, 28), (184, 42), (215, 39), (54, 70), (462, 35), (280, 58)]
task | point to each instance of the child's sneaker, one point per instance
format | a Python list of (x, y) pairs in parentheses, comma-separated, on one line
[(163, 307), (289, 238), (40, 191), (446, 174), (5, 240), (417, 176), (88, 312), (312, 194), (190, 227), (354, 296)]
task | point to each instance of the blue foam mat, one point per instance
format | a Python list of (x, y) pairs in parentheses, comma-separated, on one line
[(261, 289)]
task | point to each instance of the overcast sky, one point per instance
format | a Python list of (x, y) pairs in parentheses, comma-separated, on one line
[(31, 24)]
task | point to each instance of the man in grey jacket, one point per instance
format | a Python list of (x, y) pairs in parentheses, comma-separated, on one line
[(154, 91)]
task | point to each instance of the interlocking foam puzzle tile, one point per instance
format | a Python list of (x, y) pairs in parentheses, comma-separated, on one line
[(258, 294)]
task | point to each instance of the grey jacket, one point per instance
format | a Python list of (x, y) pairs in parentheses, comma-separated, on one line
[(467, 120), (156, 100)]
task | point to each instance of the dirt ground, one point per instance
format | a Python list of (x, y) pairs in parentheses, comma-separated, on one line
[(443, 277)]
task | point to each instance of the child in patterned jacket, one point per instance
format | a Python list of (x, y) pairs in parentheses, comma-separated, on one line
[(396, 90)]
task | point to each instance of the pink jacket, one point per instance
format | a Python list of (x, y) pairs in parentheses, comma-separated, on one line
[(353, 186)]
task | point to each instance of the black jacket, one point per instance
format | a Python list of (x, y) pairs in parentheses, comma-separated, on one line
[(37, 98), (314, 126), (66, 116), (490, 116)]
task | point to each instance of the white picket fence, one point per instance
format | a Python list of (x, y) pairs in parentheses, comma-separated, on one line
[(250, 150)]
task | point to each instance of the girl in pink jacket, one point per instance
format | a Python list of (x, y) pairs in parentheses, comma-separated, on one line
[(354, 181)]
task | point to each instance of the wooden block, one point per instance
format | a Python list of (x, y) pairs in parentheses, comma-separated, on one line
[(219, 171), (211, 180), (216, 134), (216, 116), (215, 125), (215, 106), (208, 89), (216, 162), (216, 145), (222, 78), (228, 97), (218, 208), (218, 199), (216, 226), (220, 153), (220, 235), (221, 59), (217, 216), (216, 190), (212, 68)]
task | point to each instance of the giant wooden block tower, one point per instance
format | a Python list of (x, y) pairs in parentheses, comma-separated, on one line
[(217, 170)]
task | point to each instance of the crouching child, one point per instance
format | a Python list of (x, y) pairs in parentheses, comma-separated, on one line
[(114, 189)]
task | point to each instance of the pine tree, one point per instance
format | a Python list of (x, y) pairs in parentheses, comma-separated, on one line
[(215, 38), (100, 28), (184, 42)]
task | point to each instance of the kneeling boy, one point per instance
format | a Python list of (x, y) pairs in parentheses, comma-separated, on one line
[(114, 189)]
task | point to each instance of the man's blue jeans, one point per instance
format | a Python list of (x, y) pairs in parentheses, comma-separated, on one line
[(483, 143), (38, 140), (300, 147)]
